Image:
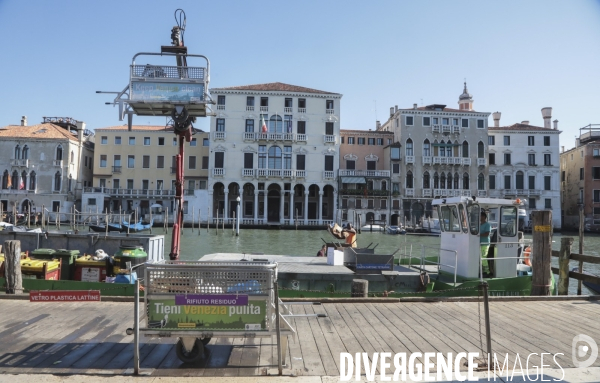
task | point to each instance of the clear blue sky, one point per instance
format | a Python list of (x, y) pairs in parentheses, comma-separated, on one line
[(517, 56)]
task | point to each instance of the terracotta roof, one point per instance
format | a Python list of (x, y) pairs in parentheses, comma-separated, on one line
[(275, 87), (348, 131), (444, 110), (46, 131), (520, 126), (142, 128)]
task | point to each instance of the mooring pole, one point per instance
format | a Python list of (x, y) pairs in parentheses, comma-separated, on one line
[(581, 227), (136, 329), (541, 252), (486, 309)]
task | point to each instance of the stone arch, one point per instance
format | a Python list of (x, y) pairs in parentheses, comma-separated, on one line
[(328, 202)]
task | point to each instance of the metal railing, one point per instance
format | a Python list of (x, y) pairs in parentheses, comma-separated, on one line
[(364, 173), (164, 71), (439, 264), (116, 169)]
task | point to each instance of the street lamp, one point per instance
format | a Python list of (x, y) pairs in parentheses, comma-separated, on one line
[(237, 231)]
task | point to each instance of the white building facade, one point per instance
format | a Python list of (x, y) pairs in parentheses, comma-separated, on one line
[(524, 163), (275, 147), (442, 154)]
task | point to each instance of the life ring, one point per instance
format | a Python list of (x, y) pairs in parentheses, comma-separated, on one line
[(527, 256)]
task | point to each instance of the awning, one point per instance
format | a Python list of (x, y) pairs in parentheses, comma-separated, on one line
[(353, 180)]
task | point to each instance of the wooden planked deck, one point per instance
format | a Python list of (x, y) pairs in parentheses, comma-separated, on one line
[(89, 338)]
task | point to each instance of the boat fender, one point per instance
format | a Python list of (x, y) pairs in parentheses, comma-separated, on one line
[(424, 279), (527, 256)]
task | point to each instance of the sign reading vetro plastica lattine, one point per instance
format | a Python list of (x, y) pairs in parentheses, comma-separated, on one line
[(64, 296)]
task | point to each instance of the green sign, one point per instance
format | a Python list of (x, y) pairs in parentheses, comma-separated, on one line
[(165, 314)]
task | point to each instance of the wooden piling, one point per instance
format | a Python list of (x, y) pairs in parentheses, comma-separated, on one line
[(542, 252), (581, 227), (12, 267), (199, 220), (563, 265), (360, 288)]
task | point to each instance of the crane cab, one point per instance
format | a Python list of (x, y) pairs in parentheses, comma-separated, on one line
[(460, 245)]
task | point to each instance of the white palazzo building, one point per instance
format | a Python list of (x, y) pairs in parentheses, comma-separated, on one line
[(280, 173)]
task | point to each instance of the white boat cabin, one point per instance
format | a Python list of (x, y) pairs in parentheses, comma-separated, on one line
[(460, 246)]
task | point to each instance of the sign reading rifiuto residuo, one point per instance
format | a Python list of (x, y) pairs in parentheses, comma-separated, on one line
[(207, 312)]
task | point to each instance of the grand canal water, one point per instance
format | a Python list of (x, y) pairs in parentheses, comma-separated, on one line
[(196, 244)]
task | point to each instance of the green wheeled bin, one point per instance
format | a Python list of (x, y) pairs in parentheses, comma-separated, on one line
[(68, 257), (43, 254), (130, 253)]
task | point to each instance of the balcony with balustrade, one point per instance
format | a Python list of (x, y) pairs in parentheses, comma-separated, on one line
[(249, 136), (427, 160), (446, 129), (20, 162), (302, 110), (363, 173), (426, 192), (58, 163), (329, 139), (436, 128), (140, 193), (409, 159), (328, 175), (218, 172), (481, 162), (249, 108), (456, 160), (466, 161), (481, 193), (364, 192), (248, 172), (287, 110), (409, 192), (329, 111), (116, 169), (264, 108), (456, 129), (219, 136)]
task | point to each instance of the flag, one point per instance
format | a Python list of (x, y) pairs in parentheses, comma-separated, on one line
[(263, 125), (9, 182)]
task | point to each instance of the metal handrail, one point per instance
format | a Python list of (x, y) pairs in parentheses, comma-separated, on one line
[(455, 267)]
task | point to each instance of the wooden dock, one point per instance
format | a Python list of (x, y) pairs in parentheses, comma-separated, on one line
[(89, 338)]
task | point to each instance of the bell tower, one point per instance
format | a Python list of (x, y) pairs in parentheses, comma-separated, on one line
[(465, 100)]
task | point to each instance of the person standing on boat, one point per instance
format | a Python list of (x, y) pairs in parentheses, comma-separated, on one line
[(484, 242), (350, 235)]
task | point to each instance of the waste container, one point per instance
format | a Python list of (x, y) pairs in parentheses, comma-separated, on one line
[(40, 268), (43, 253), (129, 253), (68, 258), (89, 270)]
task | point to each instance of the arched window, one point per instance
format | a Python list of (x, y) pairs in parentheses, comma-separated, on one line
[(443, 181), (442, 149), (72, 157), (449, 149), (15, 180), (409, 179), (59, 153), (17, 152), (456, 181), (426, 181), (57, 181), (465, 149), (480, 182), (480, 150), (32, 181), (449, 181), (25, 154), (70, 183), (409, 147), (436, 181), (519, 180), (436, 149), (466, 181), (276, 124), (5, 179), (23, 184), (456, 149), (274, 157), (426, 148)]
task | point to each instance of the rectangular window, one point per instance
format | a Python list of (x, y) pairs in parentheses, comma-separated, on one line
[(506, 140), (131, 140), (361, 140), (506, 158), (193, 142), (191, 184), (131, 162), (287, 157), (491, 140), (596, 196), (220, 124), (264, 101), (146, 162), (192, 162), (146, 141), (103, 160), (396, 168), (597, 211), (492, 181), (262, 156), (329, 163), (159, 184), (221, 100), (358, 203), (344, 203), (204, 162), (435, 120), (117, 160), (507, 182), (455, 121), (371, 141), (548, 203), (380, 141), (104, 140), (546, 140), (250, 101), (530, 141), (161, 141), (92, 201), (371, 165), (547, 160), (160, 162), (144, 184), (300, 162), (102, 182), (596, 173), (547, 181), (342, 139), (328, 104), (531, 182), (301, 103), (86, 161), (174, 141), (492, 158), (445, 121), (248, 160), (288, 103), (287, 124), (581, 173), (350, 140), (301, 127), (116, 183), (409, 120), (350, 164), (383, 204), (531, 159), (202, 184), (249, 125), (465, 122), (219, 160), (130, 184), (426, 121), (562, 176), (596, 153), (395, 153), (329, 128), (480, 124), (532, 203), (205, 142)]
